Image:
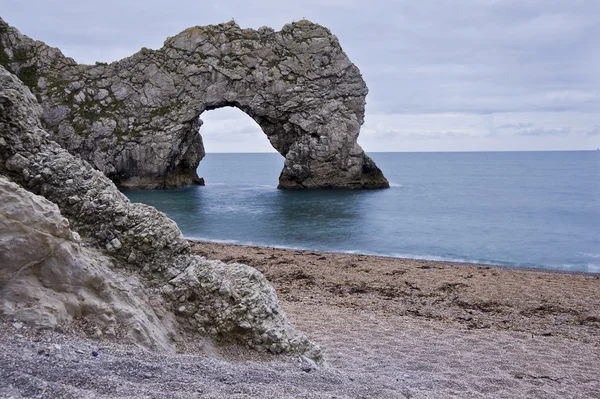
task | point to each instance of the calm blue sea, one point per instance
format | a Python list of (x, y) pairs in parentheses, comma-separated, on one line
[(533, 209)]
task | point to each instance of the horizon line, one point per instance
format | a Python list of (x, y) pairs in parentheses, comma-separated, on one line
[(407, 152)]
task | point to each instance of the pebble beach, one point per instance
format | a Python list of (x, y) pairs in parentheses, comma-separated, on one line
[(389, 328)]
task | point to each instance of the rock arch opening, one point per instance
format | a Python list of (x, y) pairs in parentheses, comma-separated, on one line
[(230, 130), (238, 152)]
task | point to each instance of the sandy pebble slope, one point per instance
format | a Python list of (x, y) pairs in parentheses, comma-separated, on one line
[(391, 328)]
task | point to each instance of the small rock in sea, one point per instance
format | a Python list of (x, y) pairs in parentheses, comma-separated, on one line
[(17, 326), (95, 353)]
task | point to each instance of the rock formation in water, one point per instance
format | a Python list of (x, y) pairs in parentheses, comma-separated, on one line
[(137, 119), (132, 274)]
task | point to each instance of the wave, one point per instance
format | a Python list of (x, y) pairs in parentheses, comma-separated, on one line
[(593, 268), (259, 187), (437, 258), (589, 255), (206, 239), (586, 268), (434, 258)]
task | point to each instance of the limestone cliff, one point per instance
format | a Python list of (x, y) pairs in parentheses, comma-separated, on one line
[(137, 119), (50, 280), (47, 276)]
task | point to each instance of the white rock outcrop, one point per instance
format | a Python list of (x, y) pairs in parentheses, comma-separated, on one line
[(49, 279)]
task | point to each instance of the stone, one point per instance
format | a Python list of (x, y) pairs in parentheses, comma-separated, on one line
[(307, 365), (137, 119), (49, 278)]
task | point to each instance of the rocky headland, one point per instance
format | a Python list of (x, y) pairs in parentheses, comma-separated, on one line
[(137, 119)]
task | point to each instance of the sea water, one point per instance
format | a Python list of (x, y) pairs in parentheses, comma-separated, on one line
[(531, 209)]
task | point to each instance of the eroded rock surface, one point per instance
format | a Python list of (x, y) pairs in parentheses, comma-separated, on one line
[(229, 302), (49, 279), (137, 119)]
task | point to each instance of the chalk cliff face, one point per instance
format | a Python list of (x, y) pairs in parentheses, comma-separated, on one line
[(48, 277), (137, 119)]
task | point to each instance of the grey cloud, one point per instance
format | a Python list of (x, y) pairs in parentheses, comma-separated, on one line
[(594, 132), (438, 135), (484, 58), (427, 135), (520, 125), (538, 131)]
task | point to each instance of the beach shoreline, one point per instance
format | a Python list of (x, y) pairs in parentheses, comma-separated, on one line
[(475, 296), (457, 263)]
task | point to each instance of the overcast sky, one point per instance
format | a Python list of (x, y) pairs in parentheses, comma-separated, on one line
[(460, 75)]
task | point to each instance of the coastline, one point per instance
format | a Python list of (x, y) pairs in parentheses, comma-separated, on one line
[(448, 262)]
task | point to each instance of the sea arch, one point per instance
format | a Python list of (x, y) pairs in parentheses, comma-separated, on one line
[(137, 119)]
